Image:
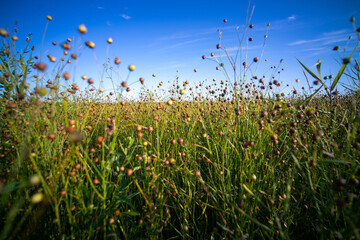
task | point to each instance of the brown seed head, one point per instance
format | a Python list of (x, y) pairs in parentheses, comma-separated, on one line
[(139, 135), (129, 172), (3, 32), (78, 166), (52, 136), (90, 44), (99, 139), (96, 181), (66, 76), (70, 129), (41, 66), (66, 46), (82, 29)]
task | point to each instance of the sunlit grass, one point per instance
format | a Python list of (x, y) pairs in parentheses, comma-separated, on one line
[(240, 159)]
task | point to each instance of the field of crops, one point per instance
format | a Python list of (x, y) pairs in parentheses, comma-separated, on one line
[(238, 161)]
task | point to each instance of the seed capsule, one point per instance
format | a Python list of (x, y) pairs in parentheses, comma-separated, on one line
[(129, 172), (37, 198), (82, 29), (132, 67), (100, 139), (90, 44)]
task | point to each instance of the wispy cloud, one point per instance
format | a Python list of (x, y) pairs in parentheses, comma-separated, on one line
[(315, 49), (101, 8), (292, 17), (183, 43), (170, 65), (325, 38), (124, 16), (336, 32), (108, 23)]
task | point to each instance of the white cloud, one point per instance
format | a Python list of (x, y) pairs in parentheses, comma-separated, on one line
[(326, 38), (292, 17), (184, 43), (124, 16)]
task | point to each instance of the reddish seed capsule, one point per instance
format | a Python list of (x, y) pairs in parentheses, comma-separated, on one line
[(181, 141), (251, 25), (90, 44), (78, 166), (129, 172), (218, 46), (52, 136), (65, 46), (100, 139), (139, 135), (66, 76), (96, 181), (70, 129), (41, 66), (256, 59), (197, 173), (117, 61), (117, 213)]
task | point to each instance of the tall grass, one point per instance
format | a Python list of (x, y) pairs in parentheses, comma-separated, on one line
[(233, 164)]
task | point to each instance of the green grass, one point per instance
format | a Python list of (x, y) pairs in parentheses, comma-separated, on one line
[(76, 165)]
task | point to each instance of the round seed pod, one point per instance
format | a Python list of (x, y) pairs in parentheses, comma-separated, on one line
[(82, 29), (100, 139)]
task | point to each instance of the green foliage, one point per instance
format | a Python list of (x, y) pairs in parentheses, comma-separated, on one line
[(259, 165)]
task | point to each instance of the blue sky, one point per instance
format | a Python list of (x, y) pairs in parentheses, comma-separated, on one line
[(164, 37)]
